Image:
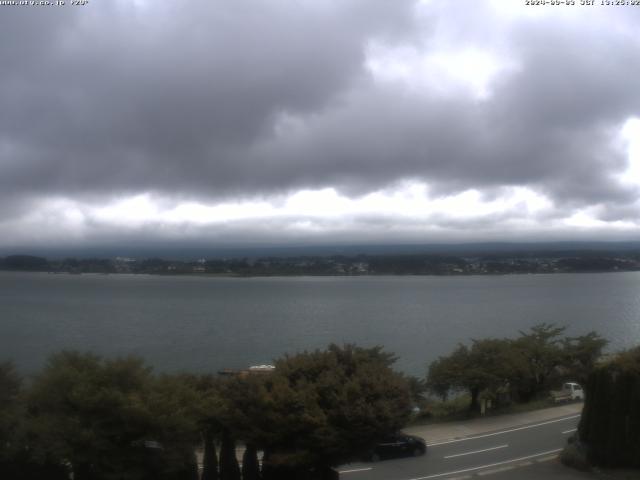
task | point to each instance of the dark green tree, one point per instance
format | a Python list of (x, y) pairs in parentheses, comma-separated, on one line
[(26, 262), (207, 412), (20, 456), (244, 417), (484, 366), (92, 413), (417, 389), (444, 374), (324, 407), (250, 465), (10, 387), (610, 422), (229, 468), (580, 355), (491, 367), (191, 470), (173, 405), (210, 458), (526, 366), (538, 354), (112, 419)]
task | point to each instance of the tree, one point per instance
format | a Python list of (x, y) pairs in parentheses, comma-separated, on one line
[(91, 413), (112, 419), (173, 406), (526, 365), (20, 457), (210, 459), (610, 422), (491, 367), (250, 465), (207, 406), (486, 365), (538, 354), (324, 407), (26, 262), (580, 355), (10, 387), (445, 374), (417, 389), (229, 468)]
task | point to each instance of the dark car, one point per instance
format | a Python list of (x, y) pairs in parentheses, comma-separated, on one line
[(399, 445)]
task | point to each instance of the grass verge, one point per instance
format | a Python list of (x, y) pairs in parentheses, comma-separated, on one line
[(457, 409)]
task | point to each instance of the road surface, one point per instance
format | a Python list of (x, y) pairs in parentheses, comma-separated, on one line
[(481, 454)]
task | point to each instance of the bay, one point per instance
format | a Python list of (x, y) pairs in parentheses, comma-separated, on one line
[(204, 324)]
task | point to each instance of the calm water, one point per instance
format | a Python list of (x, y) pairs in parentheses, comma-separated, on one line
[(203, 324)]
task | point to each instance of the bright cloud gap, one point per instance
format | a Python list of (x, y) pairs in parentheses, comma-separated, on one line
[(411, 202), (405, 210)]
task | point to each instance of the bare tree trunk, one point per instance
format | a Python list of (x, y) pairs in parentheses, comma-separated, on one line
[(474, 406)]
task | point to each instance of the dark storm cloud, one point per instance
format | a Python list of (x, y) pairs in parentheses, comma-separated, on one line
[(218, 100), (127, 99)]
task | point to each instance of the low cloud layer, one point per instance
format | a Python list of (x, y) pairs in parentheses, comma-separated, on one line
[(317, 122)]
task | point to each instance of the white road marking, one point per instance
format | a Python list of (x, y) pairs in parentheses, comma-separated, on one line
[(487, 466), (477, 451), (569, 431), (503, 431), (355, 470)]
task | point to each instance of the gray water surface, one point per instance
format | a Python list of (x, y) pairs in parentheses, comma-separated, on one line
[(208, 323)]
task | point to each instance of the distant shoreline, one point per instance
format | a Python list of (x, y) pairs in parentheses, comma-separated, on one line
[(318, 275), (501, 263)]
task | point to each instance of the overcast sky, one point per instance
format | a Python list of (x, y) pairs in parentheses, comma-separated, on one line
[(318, 121)]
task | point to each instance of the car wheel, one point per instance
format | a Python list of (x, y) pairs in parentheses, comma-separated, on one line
[(417, 452), (375, 457)]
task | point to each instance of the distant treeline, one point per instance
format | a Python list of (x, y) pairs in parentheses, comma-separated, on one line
[(412, 264)]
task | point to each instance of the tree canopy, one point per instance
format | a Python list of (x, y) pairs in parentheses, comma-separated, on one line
[(321, 408), (525, 366), (108, 419), (610, 423), (111, 418)]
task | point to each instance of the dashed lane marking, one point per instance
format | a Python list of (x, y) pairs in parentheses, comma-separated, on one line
[(354, 470), (504, 431), (477, 451), (570, 430), (481, 467)]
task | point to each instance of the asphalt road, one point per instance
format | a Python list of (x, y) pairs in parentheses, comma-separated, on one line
[(484, 453)]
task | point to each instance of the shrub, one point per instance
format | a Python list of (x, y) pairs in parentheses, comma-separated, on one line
[(610, 424), (575, 456)]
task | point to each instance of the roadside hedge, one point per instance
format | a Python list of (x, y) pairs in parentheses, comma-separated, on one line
[(610, 424)]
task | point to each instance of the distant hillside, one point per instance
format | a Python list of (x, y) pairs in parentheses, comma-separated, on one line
[(191, 252), (468, 261)]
